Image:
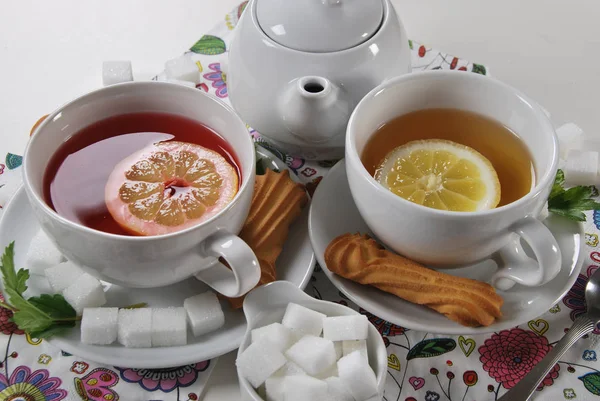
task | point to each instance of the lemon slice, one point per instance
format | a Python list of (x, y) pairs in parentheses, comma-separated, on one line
[(442, 175)]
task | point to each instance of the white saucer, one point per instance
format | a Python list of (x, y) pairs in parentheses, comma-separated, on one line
[(295, 264), (333, 213)]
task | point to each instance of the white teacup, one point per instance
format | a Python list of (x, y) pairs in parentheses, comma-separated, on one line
[(151, 261), (449, 239)]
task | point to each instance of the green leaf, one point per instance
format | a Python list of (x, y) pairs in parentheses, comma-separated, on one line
[(13, 279), (431, 348), (559, 181), (591, 381), (52, 331), (410, 44), (54, 306), (31, 320), (209, 45), (479, 69), (571, 203)]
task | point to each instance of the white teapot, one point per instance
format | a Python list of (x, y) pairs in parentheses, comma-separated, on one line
[(297, 68)]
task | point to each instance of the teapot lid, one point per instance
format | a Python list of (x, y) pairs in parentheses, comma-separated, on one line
[(319, 26)]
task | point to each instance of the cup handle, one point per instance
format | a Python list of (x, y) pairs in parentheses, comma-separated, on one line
[(514, 266), (245, 269)]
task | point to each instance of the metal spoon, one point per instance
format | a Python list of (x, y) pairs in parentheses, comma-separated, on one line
[(584, 324)]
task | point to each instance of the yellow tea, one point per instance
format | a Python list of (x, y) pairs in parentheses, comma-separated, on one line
[(503, 148)]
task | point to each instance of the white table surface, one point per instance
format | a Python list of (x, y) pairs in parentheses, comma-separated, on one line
[(52, 51)]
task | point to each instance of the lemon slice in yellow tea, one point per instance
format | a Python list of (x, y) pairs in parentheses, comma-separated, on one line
[(442, 175)]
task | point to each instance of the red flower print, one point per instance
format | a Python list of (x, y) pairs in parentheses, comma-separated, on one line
[(453, 63), (470, 378), (422, 51), (2, 167), (463, 68), (509, 355), (6, 325), (308, 172)]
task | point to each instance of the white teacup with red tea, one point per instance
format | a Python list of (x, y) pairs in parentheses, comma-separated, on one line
[(449, 168), (146, 184)]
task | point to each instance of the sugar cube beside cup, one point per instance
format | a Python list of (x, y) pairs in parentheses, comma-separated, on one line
[(204, 313), (169, 327), (42, 254), (99, 326), (115, 72), (62, 275), (85, 292), (134, 328)]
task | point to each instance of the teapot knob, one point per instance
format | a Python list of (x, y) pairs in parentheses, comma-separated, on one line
[(331, 2)]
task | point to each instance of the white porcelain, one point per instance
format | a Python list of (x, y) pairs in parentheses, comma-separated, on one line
[(319, 26), (448, 239), (267, 78), (156, 260), (295, 265), (266, 305), (333, 213)]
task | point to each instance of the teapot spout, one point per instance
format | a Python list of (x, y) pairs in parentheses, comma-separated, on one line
[(314, 109)]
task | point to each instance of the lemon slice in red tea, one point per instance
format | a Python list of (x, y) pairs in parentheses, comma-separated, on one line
[(442, 175), (169, 186)]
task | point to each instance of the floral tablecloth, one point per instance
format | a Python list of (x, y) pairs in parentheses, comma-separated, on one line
[(463, 368)]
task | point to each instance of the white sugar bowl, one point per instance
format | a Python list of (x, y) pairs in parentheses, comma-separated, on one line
[(298, 68)]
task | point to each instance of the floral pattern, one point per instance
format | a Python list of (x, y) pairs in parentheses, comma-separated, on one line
[(165, 380), (23, 384), (218, 79), (575, 298), (415, 373), (510, 355)]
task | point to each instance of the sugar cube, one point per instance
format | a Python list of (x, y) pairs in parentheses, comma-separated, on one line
[(569, 137), (62, 275), (337, 390), (357, 376), (180, 82), (289, 369), (274, 388), (204, 313), (182, 68), (42, 254), (259, 361), (341, 328), (115, 72), (85, 292), (135, 327), (581, 168), (313, 354), (169, 327), (339, 349), (99, 325), (355, 345), (301, 319), (280, 336), (303, 388), (331, 371)]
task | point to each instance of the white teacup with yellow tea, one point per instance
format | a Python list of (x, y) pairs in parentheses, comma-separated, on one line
[(449, 168)]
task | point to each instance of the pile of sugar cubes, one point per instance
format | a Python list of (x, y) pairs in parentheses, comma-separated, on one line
[(309, 356), (182, 70), (579, 154), (142, 327)]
